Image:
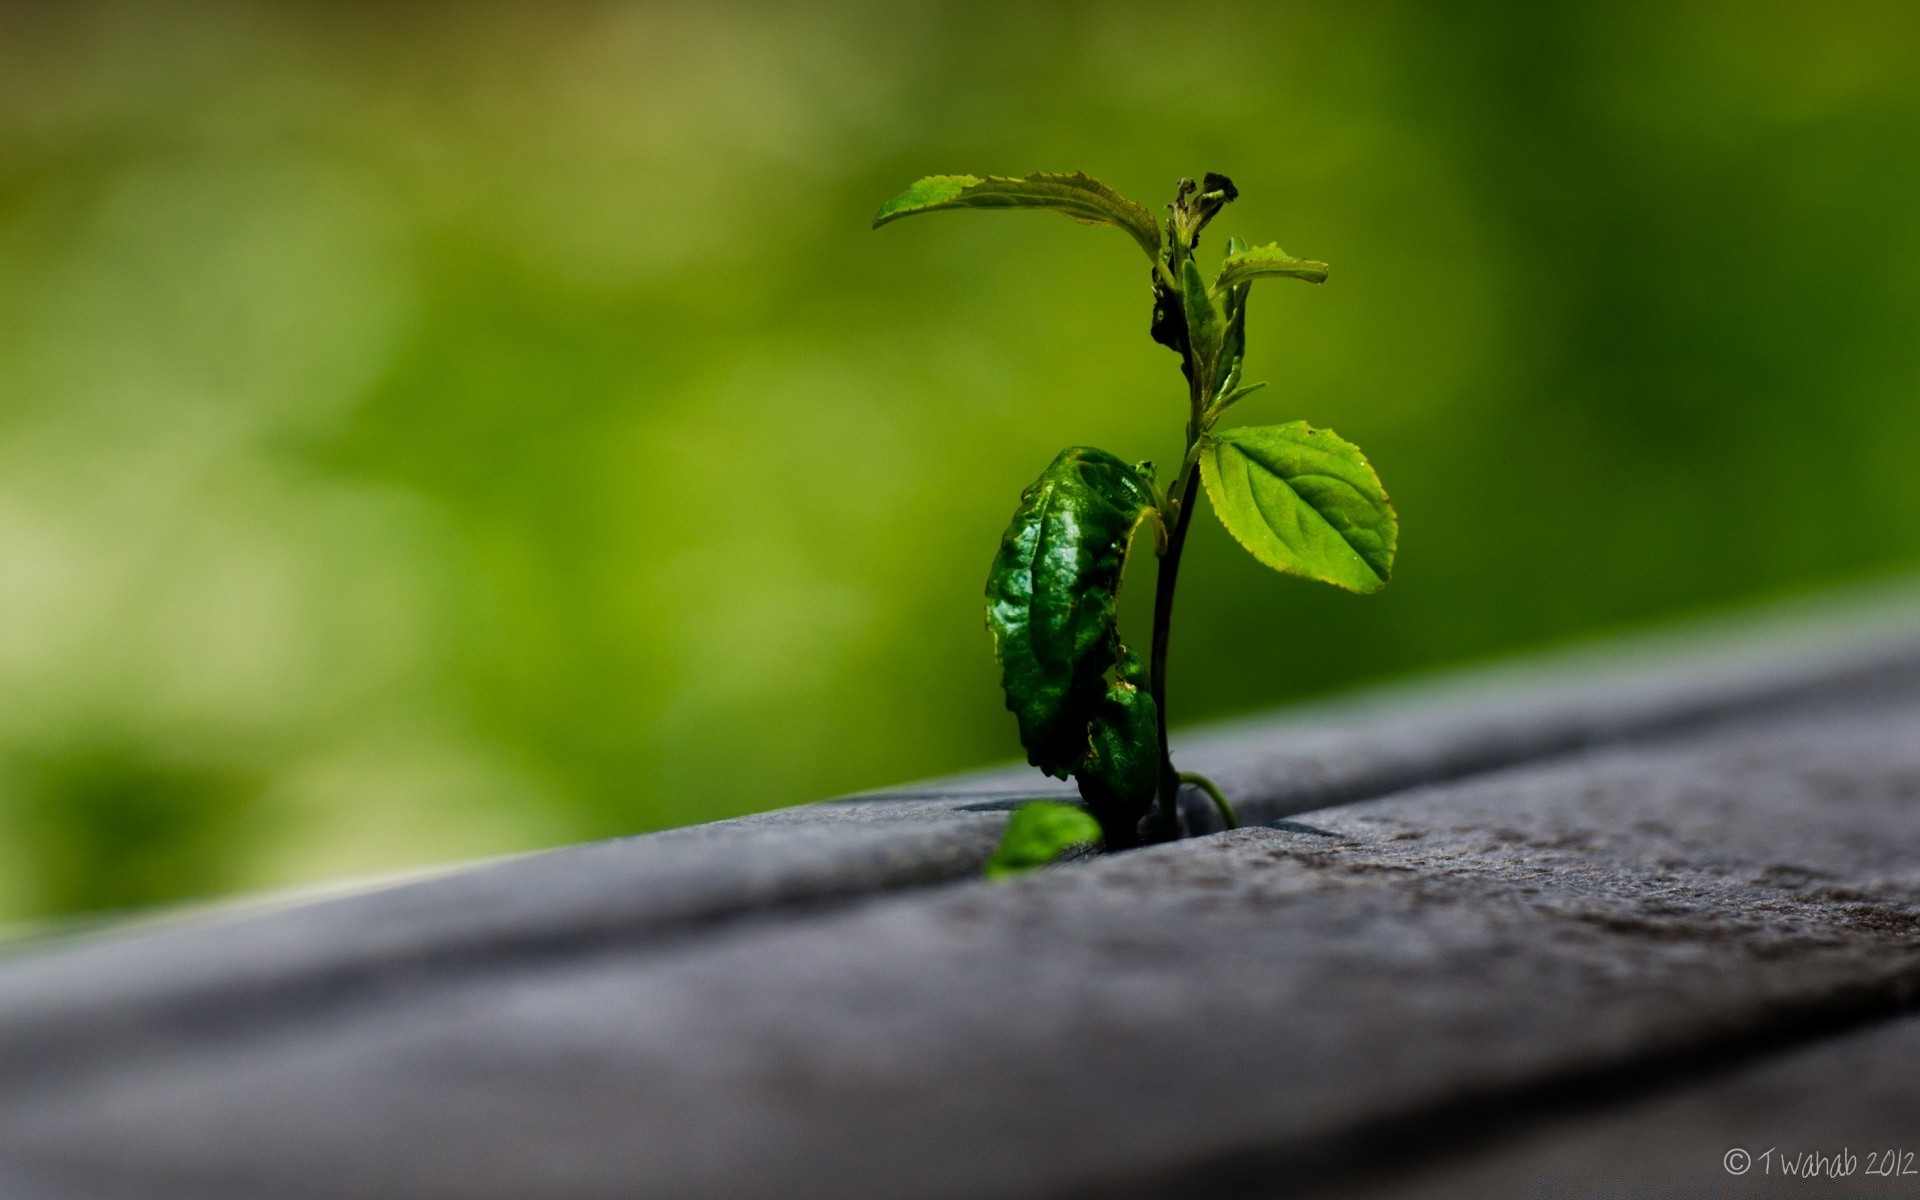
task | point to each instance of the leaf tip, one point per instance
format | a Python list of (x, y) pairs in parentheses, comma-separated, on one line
[(1380, 580), (925, 193)]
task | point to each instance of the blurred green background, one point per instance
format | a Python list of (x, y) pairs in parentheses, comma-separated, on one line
[(433, 431)]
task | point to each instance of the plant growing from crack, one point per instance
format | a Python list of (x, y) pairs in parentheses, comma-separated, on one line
[(1300, 499)]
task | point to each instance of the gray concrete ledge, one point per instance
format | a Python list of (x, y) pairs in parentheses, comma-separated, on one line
[(1596, 862)]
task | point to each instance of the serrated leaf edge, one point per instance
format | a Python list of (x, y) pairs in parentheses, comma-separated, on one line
[(1212, 477), (1103, 205)]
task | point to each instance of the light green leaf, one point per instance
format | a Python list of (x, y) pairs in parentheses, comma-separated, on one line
[(1263, 261), (1229, 399), (1053, 594), (1233, 340), (1078, 196), (1205, 328), (1303, 502), (1038, 834)]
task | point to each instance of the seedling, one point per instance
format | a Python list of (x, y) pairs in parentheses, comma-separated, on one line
[(1299, 499)]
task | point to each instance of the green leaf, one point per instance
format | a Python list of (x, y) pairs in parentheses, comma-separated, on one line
[(1078, 196), (1230, 398), (1302, 501), (1120, 777), (1262, 261), (1053, 594), (1038, 834), (1233, 341), (1205, 327)]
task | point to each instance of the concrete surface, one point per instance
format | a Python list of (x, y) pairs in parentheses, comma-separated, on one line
[(1493, 925)]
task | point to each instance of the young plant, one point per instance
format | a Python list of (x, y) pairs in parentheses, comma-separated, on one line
[(1300, 499)]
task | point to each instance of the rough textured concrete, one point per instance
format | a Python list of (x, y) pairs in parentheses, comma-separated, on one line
[(107, 993), (1272, 1009), (1854, 1100), (110, 994)]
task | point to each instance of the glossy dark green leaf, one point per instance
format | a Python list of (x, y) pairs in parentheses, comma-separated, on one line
[(1263, 261), (1304, 502), (1053, 595), (1076, 195), (1122, 773), (1040, 833)]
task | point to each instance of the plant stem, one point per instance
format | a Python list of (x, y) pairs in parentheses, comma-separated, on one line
[(1212, 789), (1185, 489)]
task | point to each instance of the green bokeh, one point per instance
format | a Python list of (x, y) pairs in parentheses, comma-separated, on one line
[(432, 431)]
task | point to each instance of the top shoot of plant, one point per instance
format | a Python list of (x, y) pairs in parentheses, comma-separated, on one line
[(1300, 500)]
